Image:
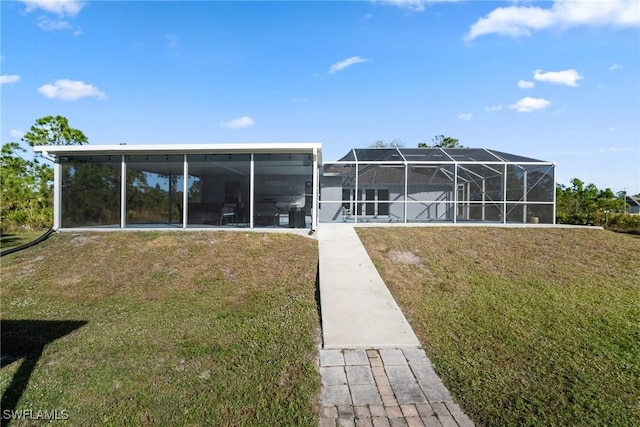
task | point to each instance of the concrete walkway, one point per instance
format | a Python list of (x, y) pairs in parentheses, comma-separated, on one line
[(358, 310), (373, 371)]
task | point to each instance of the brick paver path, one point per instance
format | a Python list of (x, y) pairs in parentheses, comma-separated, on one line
[(386, 387)]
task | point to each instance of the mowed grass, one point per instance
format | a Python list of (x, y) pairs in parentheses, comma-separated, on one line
[(525, 326), (213, 328)]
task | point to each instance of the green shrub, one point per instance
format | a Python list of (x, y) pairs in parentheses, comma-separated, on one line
[(27, 219), (623, 222)]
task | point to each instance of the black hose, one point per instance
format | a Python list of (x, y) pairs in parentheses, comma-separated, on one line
[(40, 239)]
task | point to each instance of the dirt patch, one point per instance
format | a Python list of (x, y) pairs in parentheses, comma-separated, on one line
[(403, 257), (80, 240)]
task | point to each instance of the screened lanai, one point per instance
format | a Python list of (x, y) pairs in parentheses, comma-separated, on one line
[(185, 186), (405, 185), (288, 185)]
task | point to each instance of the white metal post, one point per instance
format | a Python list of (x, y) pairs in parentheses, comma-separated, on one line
[(504, 195), (315, 184), (170, 211), (57, 194), (467, 200), (251, 190), (524, 197), (406, 191), (355, 196), (484, 197), (123, 192), (185, 192), (553, 168), (455, 192)]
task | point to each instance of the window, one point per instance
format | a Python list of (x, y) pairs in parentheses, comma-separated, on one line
[(375, 202)]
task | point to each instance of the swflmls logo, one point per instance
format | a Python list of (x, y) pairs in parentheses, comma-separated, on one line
[(30, 414)]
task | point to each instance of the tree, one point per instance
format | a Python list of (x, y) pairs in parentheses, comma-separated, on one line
[(441, 141), (27, 185), (50, 130), (26, 190), (393, 144), (586, 204)]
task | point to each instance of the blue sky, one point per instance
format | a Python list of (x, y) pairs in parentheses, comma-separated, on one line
[(551, 80)]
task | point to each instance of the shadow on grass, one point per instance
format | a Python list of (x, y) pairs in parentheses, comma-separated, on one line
[(26, 339), (7, 239), (318, 306)]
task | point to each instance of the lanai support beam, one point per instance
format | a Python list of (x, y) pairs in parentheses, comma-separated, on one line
[(123, 192), (57, 194)]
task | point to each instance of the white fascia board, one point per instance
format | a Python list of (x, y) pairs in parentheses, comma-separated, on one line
[(267, 147)]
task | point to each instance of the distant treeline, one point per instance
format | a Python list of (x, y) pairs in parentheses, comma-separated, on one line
[(587, 205)]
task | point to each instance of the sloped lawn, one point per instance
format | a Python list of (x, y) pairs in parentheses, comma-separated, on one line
[(525, 326), (169, 328)]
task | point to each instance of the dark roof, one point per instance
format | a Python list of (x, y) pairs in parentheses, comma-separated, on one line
[(444, 155), (391, 174), (633, 201)]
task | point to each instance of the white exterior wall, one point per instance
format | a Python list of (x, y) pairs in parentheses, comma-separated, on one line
[(330, 189)]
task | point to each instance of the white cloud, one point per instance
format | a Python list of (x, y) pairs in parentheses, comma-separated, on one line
[(615, 67), (516, 21), (566, 77), (523, 84), (413, 5), (610, 150), (528, 104), (465, 116), (49, 25), (71, 90), (339, 66), (493, 108), (59, 7), (9, 78), (239, 123), (16, 134)]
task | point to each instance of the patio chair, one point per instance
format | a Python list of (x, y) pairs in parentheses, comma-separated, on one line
[(228, 213), (346, 214)]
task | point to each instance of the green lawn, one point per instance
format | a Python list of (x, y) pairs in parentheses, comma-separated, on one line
[(526, 327), (169, 328)]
